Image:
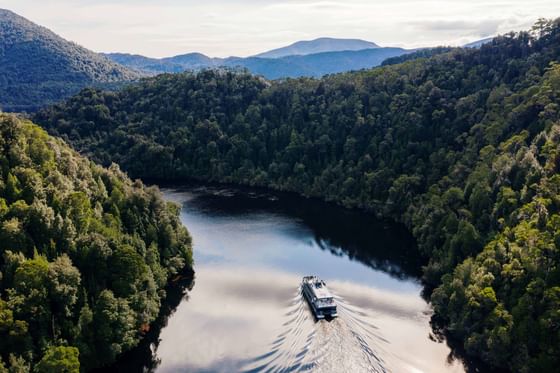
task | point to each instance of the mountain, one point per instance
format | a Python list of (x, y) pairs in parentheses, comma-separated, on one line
[(320, 45), (176, 64), (479, 43), (140, 63), (315, 65), (196, 60), (38, 67), (312, 65), (462, 147)]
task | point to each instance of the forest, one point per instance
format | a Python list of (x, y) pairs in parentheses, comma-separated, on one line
[(460, 145), (38, 67), (85, 255)]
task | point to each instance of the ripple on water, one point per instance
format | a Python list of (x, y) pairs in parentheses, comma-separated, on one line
[(343, 344), (244, 313)]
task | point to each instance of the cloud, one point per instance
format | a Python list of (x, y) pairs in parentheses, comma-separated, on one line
[(484, 27), (246, 27)]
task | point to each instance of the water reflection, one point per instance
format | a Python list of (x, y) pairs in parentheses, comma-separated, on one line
[(143, 358), (380, 244), (239, 322), (246, 314)]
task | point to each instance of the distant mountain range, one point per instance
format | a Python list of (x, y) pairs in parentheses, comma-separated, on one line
[(479, 43), (313, 58), (190, 61), (313, 65), (38, 67)]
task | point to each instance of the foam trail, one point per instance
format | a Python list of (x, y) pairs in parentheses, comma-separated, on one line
[(349, 343)]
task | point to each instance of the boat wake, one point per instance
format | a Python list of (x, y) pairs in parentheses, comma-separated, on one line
[(349, 343)]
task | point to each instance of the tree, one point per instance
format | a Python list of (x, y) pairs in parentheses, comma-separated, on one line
[(128, 271), (63, 359), (60, 234), (64, 282), (13, 332), (115, 326)]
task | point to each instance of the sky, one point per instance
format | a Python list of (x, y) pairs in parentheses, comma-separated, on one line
[(221, 28)]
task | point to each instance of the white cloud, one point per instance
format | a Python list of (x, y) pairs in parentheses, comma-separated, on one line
[(245, 27)]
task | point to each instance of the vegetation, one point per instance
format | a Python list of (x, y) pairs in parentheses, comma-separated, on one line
[(37, 67), (85, 254), (421, 53), (463, 147)]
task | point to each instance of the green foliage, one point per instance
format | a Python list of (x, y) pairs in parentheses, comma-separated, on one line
[(463, 147), (116, 326), (85, 255), (18, 364), (38, 67), (422, 53), (59, 359)]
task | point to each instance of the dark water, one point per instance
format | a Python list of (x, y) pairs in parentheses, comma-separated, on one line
[(245, 313)]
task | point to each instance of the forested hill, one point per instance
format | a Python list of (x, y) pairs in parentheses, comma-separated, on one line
[(38, 67), (85, 255), (463, 147)]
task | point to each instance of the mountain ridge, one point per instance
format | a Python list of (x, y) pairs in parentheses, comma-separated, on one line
[(312, 65), (319, 45), (479, 43), (39, 67)]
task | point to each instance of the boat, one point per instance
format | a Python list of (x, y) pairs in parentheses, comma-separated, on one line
[(319, 297)]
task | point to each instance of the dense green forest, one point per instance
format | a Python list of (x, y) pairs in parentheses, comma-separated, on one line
[(38, 67), (461, 146), (85, 254), (421, 53)]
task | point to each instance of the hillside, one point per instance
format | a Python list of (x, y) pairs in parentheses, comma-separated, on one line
[(320, 45), (420, 53), (478, 43), (38, 67), (462, 147), (312, 65), (316, 65), (176, 64), (85, 255)]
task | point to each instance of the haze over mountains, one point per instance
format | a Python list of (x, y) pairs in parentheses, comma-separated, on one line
[(38, 67), (478, 43), (313, 58), (293, 66), (319, 45)]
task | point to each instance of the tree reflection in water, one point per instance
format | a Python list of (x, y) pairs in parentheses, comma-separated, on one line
[(143, 358)]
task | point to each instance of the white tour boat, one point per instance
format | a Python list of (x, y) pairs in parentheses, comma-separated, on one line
[(319, 297)]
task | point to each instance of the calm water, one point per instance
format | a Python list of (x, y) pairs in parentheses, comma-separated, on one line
[(245, 312)]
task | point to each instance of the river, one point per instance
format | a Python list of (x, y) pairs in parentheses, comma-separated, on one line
[(245, 313)]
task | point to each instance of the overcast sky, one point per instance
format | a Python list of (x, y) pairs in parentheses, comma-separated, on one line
[(244, 27)]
